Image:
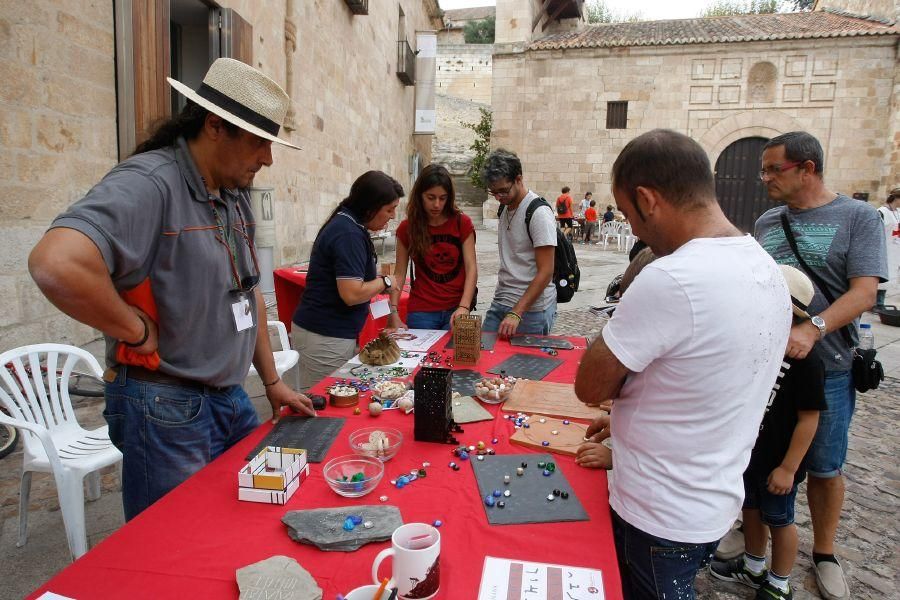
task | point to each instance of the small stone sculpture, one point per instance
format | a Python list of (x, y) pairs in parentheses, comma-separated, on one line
[(380, 351)]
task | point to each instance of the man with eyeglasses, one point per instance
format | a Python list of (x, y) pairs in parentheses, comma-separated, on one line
[(841, 241), (160, 257), (525, 298)]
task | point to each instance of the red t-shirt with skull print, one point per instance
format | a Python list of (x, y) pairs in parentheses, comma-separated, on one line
[(440, 278)]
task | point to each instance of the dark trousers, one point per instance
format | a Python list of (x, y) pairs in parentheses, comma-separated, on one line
[(653, 567)]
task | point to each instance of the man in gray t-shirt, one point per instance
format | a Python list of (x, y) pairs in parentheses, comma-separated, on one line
[(841, 240), (525, 298)]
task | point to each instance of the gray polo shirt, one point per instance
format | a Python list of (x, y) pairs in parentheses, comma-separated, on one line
[(151, 217)]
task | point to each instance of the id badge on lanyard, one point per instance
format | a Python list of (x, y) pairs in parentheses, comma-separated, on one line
[(243, 313)]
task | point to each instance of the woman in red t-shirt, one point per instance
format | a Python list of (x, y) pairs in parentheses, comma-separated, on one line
[(440, 240)]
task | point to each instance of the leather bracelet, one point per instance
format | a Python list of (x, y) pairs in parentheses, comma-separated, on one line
[(516, 315), (464, 308), (143, 340), (277, 379)]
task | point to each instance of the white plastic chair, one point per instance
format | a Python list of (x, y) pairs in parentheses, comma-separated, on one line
[(286, 358), (36, 394), (610, 231), (626, 238)]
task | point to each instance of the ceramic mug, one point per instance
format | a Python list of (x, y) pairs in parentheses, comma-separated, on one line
[(416, 552), (367, 592)]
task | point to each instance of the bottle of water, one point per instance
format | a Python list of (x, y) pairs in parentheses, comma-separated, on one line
[(866, 337)]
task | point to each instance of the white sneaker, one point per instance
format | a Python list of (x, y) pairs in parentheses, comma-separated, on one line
[(731, 545), (831, 581)]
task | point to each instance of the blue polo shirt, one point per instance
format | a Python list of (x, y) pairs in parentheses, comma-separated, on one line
[(343, 250)]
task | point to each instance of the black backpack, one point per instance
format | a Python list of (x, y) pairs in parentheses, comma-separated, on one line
[(561, 207), (566, 273)]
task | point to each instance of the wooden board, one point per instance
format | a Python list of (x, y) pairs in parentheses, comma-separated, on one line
[(566, 441), (551, 399)]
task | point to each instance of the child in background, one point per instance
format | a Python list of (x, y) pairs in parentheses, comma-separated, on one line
[(590, 222), (609, 215), (777, 466)]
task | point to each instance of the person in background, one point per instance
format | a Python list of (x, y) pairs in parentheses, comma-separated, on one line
[(160, 257), (585, 202), (439, 240), (609, 215), (675, 360), (564, 212), (590, 222), (343, 277), (840, 239), (525, 297), (778, 465), (890, 218)]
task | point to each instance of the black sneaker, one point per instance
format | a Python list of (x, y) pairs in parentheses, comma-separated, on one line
[(767, 591), (734, 570)]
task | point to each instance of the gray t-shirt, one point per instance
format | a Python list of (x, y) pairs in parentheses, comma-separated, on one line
[(151, 218), (839, 241), (518, 266)]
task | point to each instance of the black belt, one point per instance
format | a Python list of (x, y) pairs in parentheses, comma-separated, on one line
[(151, 376)]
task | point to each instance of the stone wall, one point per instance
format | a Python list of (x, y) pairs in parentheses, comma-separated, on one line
[(57, 138), (464, 71), (58, 124), (550, 106)]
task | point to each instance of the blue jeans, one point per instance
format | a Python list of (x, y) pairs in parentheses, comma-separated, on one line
[(439, 319), (775, 510), (167, 433), (536, 322), (652, 567), (828, 450)]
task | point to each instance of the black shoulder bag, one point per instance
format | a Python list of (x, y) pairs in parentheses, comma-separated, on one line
[(867, 371)]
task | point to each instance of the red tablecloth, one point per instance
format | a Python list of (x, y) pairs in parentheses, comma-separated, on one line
[(289, 285), (189, 544)]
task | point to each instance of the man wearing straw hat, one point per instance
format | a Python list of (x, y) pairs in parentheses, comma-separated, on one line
[(160, 257)]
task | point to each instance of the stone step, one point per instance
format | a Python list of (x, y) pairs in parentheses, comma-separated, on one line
[(474, 213)]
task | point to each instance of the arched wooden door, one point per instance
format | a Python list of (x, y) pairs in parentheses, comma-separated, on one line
[(740, 192)]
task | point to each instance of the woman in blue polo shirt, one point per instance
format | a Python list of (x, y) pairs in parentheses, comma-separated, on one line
[(343, 277)]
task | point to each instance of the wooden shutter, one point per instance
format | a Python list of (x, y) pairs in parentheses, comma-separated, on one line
[(152, 64), (236, 37)]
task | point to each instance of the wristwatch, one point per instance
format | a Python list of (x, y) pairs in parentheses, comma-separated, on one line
[(387, 282), (819, 322)]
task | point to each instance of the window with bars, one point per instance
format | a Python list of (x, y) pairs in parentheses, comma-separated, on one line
[(617, 115)]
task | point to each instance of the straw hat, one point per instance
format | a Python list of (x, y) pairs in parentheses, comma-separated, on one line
[(801, 289), (243, 96)]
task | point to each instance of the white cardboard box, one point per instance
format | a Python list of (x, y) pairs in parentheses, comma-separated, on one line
[(273, 475)]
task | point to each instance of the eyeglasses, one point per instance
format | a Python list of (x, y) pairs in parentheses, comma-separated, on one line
[(242, 284), (502, 193), (773, 170)]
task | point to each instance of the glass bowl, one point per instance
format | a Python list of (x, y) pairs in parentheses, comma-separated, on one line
[(353, 476), (365, 442)]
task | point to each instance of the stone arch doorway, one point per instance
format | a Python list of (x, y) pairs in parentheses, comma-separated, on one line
[(740, 192)]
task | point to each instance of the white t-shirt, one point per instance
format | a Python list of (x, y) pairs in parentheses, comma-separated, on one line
[(704, 331), (518, 266)]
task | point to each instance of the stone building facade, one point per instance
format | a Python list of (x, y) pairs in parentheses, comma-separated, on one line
[(569, 99), (464, 71), (61, 123)]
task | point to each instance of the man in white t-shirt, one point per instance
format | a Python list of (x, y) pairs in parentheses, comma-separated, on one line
[(689, 358), (525, 297)]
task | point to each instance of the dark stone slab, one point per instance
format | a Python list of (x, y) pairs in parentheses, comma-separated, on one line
[(313, 434), (324, 527), (526, 366), (527, 502)]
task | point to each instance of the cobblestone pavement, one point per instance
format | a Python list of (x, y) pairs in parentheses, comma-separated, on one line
[(868, 538)]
